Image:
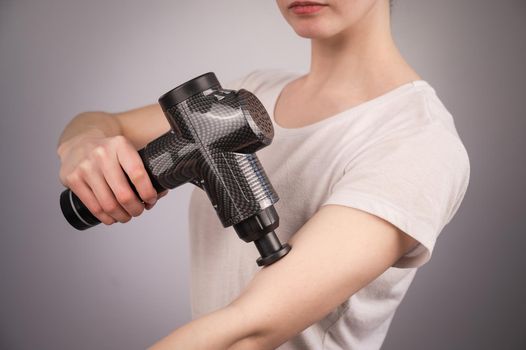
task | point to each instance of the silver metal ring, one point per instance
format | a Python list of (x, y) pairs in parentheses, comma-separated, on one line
[(75, 209)]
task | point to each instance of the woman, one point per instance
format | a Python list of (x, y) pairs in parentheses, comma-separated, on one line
[(368, 166)]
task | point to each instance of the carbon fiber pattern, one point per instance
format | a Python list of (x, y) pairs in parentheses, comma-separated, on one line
[(258, 119), (237, 186), (212, 144)]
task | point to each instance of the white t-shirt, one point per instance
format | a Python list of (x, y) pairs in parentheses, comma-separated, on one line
[(397, 156)]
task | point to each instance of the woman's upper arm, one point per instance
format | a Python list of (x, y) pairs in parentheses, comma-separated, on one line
[(142, 125), (336, 253)]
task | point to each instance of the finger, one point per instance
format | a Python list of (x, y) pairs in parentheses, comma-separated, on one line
[(149, 206), (86, 196), (120, 187), (106, 198), (132, 164)]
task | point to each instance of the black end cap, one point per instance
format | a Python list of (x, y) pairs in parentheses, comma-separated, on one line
[(192, 87), (70, 214), (270, 259)]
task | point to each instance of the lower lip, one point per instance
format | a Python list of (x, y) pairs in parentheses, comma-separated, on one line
[(306, 9)]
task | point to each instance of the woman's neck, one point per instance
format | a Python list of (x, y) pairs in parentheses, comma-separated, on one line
[(363, 58)]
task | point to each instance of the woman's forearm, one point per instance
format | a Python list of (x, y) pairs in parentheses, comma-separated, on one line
[(90, 123), (224, 329)]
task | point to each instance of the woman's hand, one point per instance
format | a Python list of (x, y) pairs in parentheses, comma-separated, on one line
[(92, 167)]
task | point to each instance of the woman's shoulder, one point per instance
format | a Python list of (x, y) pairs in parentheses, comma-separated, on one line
[(260, 80), (416, 105)]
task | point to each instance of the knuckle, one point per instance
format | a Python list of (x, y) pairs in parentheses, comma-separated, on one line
[(71, 178), (103, 217), (138, 211), (137, 173), (120, 139), (150, 199), (150, 195), (85, 167), (125, 196), (97, 210), (63, 176), (110, 207), (125, 219), (100, 152)]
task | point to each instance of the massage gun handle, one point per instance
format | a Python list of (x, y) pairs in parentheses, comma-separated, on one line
[(79, 216)]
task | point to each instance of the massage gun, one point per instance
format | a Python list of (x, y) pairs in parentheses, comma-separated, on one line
[(212, 142)]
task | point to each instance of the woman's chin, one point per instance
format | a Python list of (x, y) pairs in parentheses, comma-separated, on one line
[(312, 32)]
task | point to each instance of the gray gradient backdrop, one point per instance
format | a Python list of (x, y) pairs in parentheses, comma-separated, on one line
[(125, 286)]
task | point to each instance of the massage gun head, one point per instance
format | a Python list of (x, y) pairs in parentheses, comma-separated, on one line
[(234, 120)]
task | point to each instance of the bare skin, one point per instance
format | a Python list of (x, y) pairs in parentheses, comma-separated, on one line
[(350, 64), (353, 59), (95, 145)]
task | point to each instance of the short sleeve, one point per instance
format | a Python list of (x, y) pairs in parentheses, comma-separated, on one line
[(240, 81), (258, 80), (415, 179), (234, 84)]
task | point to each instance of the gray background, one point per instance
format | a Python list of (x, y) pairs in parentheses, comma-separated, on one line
[(125, 286)]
